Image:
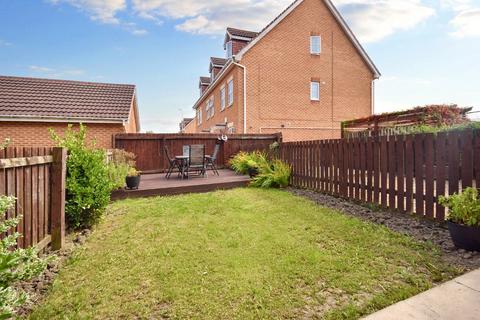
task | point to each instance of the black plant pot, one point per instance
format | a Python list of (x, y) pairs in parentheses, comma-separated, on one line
[(132, 182), (252, 172), (465, 237)]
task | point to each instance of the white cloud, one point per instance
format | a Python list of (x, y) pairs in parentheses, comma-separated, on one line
[(456, 5), (466, 23), (211, 17), (373, 20), (4, 43), (56, 73), (101, 10), (40, 69)]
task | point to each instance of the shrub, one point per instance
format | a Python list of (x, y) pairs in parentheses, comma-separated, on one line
[(119, 166), (15, 264), (242, 162), (464, 208), (89, 183), (273, 175)]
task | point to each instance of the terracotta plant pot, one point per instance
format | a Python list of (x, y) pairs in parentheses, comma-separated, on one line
[(132, 182), (465, 237)]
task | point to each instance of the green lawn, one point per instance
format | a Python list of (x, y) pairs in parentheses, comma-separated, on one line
[(238, 254)]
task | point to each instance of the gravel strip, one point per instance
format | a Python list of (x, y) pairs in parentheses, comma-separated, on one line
[(420, 229)]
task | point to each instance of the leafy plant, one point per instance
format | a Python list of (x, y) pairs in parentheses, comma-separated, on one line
[(119, 166), (464, 208), (5, 143), (242, 162), (273, 175), (15, 264), (132, 172), (88, 179)]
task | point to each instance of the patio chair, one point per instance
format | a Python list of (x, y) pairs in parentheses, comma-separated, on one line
[(172, 162), (210, 160), (196, 160)]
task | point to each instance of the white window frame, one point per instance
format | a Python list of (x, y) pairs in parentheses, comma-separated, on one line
[(210, 108), (230, 92), (315, 90), (222, 98), (313, 49), (199, 116), (229, 47)]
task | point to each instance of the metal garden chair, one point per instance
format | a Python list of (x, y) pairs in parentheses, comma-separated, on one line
[(172, 162), (210, 160), (196, 160)]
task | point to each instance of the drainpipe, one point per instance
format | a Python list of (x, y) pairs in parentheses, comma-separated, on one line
[(373, 97), (244, 94)]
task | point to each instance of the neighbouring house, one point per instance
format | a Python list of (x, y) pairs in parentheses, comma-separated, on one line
[(184, 123), (302, 75), (30, 106)]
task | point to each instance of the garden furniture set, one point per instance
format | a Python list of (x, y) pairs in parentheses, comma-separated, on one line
[(193, 160)]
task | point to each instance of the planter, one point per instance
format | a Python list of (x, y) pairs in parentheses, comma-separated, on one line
[(252, 172), (132, 182), (465, 237)]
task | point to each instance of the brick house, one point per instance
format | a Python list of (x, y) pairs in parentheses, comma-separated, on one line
[(30, 106), (302, 75)]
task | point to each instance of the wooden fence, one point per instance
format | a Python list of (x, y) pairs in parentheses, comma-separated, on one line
[(406, 172), (149, 148), (36, 177)]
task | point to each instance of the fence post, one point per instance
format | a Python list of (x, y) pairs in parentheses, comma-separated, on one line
[(58, 176)]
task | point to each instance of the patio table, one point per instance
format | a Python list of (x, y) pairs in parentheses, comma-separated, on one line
[(183, 164)]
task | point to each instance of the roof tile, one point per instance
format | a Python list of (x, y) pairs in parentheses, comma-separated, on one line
[(34, 97)]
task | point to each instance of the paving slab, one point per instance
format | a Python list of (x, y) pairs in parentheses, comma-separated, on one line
[(455, 299)]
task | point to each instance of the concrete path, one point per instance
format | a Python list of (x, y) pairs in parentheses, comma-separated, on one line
[(456, 299)]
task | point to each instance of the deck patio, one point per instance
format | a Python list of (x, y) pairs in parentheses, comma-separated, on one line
[(158, 185)]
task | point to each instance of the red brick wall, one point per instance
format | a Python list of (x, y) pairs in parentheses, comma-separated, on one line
[(238, 45), (279, 70), (131, 125), (30, 134)]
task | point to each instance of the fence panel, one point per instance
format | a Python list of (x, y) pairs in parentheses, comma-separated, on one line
[(26, 173), (150, 148), (407, 173)]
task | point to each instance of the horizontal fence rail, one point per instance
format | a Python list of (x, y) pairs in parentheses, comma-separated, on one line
[(149, 148), (36, 178), (404, 172)]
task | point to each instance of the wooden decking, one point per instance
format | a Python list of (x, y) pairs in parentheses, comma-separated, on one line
[(158, 185)]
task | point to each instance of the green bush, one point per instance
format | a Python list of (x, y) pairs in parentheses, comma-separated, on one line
[(119, 166), (243, 161), (89, 183), (15, 264), (271, 174), (464, 208)]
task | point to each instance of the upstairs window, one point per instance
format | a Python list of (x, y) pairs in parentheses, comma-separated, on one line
[(199, 116), (315, 91), (229, 49), (315, 45), (230, 92), (210, 108), (222, 98)]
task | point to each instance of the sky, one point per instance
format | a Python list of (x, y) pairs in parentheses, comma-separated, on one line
[(428, 51)]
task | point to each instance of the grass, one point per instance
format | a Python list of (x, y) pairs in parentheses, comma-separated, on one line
[(238, 254)]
